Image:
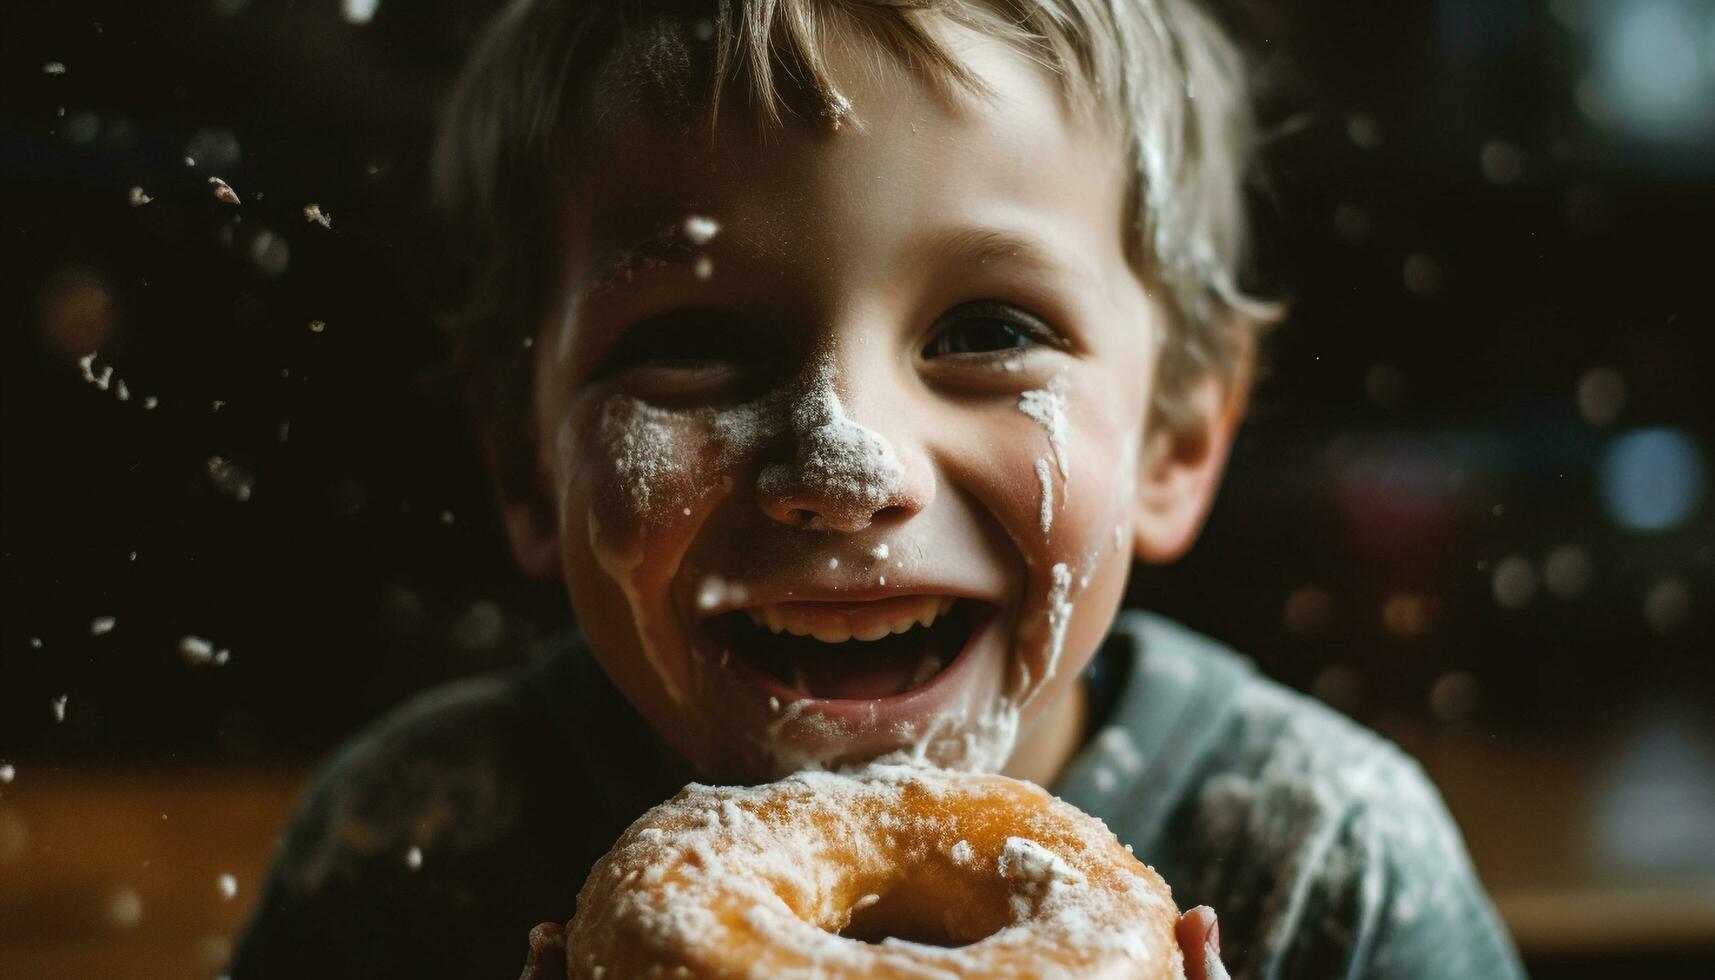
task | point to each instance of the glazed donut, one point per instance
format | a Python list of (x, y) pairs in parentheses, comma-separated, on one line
[(894, 872)]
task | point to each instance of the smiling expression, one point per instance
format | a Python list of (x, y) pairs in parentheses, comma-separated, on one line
[(842, 427)]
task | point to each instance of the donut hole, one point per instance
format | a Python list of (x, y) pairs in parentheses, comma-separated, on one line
[(935, 906)]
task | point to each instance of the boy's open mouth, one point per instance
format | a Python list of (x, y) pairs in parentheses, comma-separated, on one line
[(851, 650)]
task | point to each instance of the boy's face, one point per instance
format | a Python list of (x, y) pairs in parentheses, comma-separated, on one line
[(845, 383)]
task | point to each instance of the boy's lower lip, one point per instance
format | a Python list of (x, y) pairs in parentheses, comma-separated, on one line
[(883, 711)]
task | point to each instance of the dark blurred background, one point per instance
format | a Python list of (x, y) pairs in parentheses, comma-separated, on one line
[(1471, 507)]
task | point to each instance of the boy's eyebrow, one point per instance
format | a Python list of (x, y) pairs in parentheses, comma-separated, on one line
[(668, 247)]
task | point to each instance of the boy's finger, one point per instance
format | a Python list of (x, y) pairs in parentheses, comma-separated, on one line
[(1199, 938), (547, 957)]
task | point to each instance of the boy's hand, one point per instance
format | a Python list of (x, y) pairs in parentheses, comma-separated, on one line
[(1200, 940), (547, 958)]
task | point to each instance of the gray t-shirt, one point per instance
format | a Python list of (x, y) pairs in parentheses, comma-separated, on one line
[(430, 844)]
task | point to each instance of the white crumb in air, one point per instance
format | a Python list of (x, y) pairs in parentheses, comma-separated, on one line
[(196, 650), (317, 326), (686, 511), (881, 579), (414, 858), (217, 404), (54, 68), (150, 402), (221, 657), (133, 556), (529, 342), (704, 267), (190, 161), (229, 478), (138, 198), (228, 886), (880, 551), (833, 563), (358, 11), (102, 624), (223, 191), (285, 430), (7, 772), (774, 704), (35, 643), (313, 212), (446, 517), (699, 229), (120, 391), (58, 707)]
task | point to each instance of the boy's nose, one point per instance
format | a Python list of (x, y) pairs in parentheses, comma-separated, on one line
[(842, 476)]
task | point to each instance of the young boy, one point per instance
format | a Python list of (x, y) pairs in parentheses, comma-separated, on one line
[(840, 356)]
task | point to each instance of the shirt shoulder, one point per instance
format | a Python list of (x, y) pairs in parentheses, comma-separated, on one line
[(431, 842), (1324, 848)]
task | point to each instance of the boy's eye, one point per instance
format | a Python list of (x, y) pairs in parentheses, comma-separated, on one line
[(684, 340), (987, 328)]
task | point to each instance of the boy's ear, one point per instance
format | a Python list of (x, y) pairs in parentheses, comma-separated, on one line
[(527, 509), (1182, 461)]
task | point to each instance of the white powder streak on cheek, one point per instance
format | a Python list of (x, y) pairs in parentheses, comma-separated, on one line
[(1059, 615), (1047, 406), (1046, 517)]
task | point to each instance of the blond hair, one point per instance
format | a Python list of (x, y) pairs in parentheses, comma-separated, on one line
[(1163, 71)]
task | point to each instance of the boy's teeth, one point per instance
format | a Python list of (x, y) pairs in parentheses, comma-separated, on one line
[(839, 626)]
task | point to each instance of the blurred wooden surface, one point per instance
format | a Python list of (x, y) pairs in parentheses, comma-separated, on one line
[(117, 872)]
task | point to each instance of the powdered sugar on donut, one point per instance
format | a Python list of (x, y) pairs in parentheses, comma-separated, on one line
[(760, 881)]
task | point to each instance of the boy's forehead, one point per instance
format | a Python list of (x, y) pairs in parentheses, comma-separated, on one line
[(998, 173)]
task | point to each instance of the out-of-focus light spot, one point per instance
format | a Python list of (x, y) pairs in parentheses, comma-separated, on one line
[(1351, 223), (216, 953), (1409, 614), (215, 148), (1422, 274), (1501, 162), (228, 886), (402, 610), (1601, 395), (1654, 812), (1568, 572), (1651, 479), (14, 836), (1453, 696), (1667, 606), (125, 908), (480, 628), (1649, 75), (1385, 384), (1514, 582), (76, 310), (358, 11), (414, 858), (8, 772), (270, 253), (1364, 131), (1309, 611), (81, 127), (1338, 687)]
